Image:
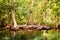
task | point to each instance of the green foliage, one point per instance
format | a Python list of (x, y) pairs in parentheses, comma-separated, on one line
[(42, 10)]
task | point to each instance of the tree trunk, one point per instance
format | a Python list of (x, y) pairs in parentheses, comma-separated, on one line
[(31, 19), (31, 16), (12, 13), (13, 18)]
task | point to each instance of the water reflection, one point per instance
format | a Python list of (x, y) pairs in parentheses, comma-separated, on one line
[(35, 35)]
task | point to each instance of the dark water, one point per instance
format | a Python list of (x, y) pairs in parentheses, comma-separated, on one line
[(29, 35)]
